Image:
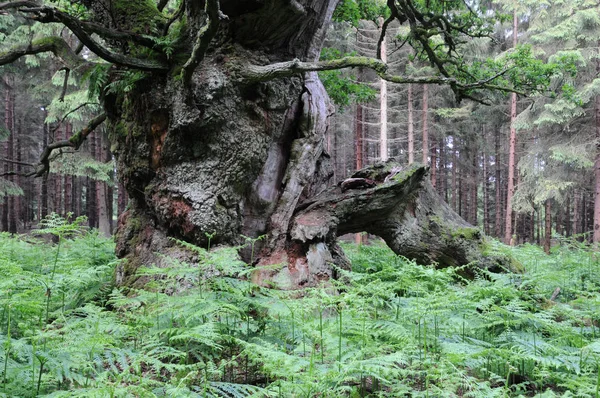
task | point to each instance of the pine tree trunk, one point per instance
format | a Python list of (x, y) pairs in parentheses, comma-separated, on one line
[(68, 179), (474, 186), (44, 184), (411, 127), (576, 212), (7, 123), (383, 106), (121, 198), (434, 172), (57, 179), (567, 221), (443, 170), (511, 151), (596, 235), (454, 177), (548, 224), (10, 155), (486, 197), (104, 215), (498, 199), (90, 192), (425, 126)]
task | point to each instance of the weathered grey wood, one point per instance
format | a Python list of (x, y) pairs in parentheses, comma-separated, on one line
[(402, 208)]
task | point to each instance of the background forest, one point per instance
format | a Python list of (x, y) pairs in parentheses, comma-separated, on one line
[(525, 169)]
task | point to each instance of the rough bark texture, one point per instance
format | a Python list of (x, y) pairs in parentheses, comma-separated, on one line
[(229, 157), (223, 156), (399, 205)]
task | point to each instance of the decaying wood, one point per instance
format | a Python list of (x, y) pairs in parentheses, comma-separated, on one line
[(404, 210)]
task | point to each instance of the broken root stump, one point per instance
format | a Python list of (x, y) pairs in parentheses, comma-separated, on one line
[(398, 204)]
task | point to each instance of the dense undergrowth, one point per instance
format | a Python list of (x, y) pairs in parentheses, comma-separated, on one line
[(389, 328)]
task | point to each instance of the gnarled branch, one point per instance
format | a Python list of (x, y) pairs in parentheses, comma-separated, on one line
[(53, 44), (43, 165), (203, 39), (257, 73), (48, 14)]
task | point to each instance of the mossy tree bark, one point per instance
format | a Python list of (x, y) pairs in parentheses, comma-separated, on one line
[(220, 128), (224, 155)]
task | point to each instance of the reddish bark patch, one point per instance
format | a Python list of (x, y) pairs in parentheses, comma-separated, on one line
[(158, 130), (311, 219), (179, 210)]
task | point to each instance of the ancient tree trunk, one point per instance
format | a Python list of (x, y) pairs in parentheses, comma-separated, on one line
[(218, 153)]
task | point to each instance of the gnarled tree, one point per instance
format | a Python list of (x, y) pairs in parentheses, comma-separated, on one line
[(220, 128)]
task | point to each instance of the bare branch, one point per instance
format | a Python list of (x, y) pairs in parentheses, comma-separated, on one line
[(49, 14), (53, 44), (43, 165), (174, 18), (256, 73), (382, 35), (16, 162), (70, 112), (162, 4), (61, 98), (282, 69), (17, 4), (203, 39)]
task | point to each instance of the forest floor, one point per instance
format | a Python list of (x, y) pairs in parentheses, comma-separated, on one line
[(388, 328)]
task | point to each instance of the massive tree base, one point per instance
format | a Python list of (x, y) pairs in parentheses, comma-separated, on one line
[(399, 205)]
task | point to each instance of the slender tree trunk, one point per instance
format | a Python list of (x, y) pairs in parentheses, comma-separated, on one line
[(425, 126), (104, 196), (383, 97), (44, 185), (498, 199), (7, 123), (596, 235), (548, 231), (567, 221), (411, 127), (434, 172), (91, 202), (19, 209), (474, 186), (358, 139), (12, 200), (486, 210), (58, 191), (443, 170), (454, 173), (511, 151), (68, 179), (576, 212)]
